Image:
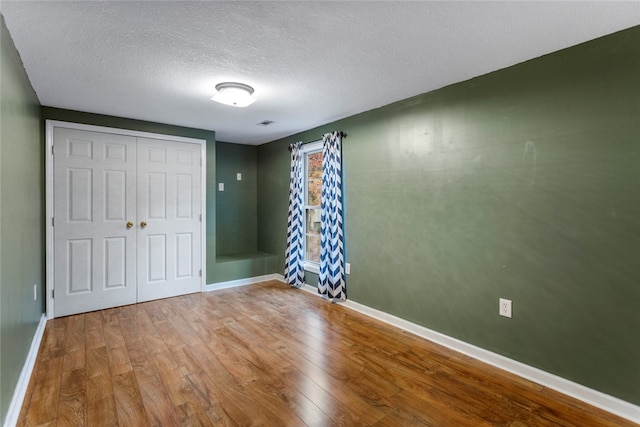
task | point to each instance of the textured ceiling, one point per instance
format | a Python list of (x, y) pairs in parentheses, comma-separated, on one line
[(310, 62)]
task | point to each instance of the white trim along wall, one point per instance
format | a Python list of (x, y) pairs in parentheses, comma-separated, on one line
[(25, 375), (592, 397)]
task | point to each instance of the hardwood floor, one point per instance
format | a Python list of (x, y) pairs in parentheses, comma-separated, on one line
[(270, 355)]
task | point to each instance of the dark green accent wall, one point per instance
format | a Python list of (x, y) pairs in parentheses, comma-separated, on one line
[(21, 217), (522, 184), (236, 212), (238, 255), (50, 113)]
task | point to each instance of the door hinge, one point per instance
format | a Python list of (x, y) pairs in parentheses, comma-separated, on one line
[(53, 293), (52, 151), (52, 222), (200, 217), (200, 273)]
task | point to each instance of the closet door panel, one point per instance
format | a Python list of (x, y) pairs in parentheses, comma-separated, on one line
[(169, 207), (94, 198)]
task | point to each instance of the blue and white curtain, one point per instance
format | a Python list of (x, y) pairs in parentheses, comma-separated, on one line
[(331, 281), (294, 255)]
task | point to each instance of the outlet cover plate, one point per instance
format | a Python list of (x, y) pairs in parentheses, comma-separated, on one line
[(505, 308)]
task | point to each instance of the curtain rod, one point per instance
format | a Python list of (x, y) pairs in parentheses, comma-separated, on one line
[(340, 134)]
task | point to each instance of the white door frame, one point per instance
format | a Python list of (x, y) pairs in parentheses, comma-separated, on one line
[(50, 125)]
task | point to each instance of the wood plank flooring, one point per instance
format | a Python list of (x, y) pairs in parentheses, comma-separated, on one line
[(269, 355)]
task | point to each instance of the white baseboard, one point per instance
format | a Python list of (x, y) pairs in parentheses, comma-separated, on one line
[(588, 395), (311, 289), (241, 282), (23, 380)]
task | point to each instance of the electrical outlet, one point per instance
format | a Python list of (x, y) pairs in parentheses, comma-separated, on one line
[(35, 291), (221, 186), (505, 308), (347, 268), (239, 176)]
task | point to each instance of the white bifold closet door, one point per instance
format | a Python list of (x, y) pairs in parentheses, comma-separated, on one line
[(169, 203), (127, 215)]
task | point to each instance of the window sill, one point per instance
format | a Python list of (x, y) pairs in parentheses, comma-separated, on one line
[(311, 267)]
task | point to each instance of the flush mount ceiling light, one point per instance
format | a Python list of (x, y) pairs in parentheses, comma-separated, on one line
[(234, 94)]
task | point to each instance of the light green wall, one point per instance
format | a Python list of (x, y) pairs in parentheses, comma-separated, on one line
[(142, 126), (522, 184), (236, 212), (21, 217)]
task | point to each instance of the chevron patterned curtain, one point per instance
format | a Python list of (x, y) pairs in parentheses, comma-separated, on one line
[(331, 280), (294, 255)]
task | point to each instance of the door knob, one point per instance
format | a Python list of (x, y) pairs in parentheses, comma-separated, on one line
[(129, 224), (143, 224)]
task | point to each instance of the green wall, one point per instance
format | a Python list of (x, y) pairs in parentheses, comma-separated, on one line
[(238, 255), (522, 184), (49, 113), (236, 212), (21, 217)]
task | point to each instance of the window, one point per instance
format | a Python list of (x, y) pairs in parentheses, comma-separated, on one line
[(312, 158)]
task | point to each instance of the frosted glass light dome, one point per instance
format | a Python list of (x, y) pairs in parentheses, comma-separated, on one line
[(234, 94)]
